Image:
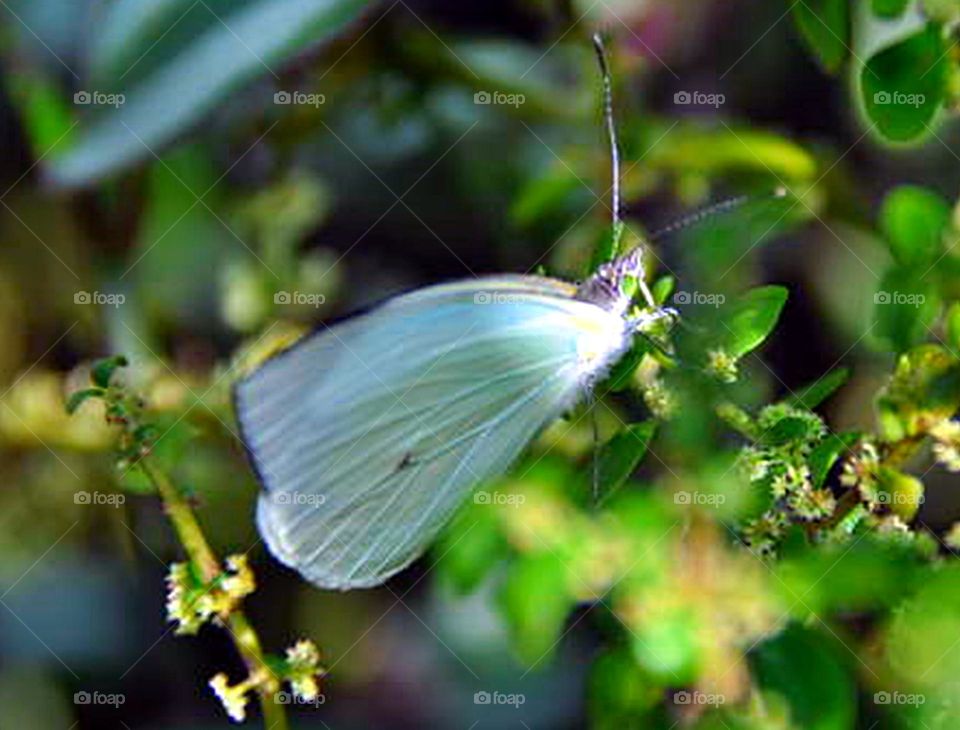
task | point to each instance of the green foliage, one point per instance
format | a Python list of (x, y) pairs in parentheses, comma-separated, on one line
[(825, 27), (620, 456)]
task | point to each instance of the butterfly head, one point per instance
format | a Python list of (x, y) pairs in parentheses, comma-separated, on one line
[(614, 284)]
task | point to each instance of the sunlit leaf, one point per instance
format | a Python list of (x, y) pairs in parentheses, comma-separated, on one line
[(913, 219)]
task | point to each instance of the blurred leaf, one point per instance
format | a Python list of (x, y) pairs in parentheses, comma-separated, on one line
[(905, 307), (46, 116), (825, 27), (536, 603), (902, 493), (470, 547), (621, 374), (104, 369), (806, 668), (217, 55), (913, 219), (78, 398), (924, 390), (747, 322), (889, 8), (812, 395), (902, 80), (662, 289), (787, 430), (621, 455), (618, 689), (953, 327), (826, 453)]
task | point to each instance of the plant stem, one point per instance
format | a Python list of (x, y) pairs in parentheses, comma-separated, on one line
[(244, 636)]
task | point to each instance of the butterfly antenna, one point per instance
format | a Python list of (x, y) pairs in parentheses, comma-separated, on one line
[(611, 128), (724, 206)]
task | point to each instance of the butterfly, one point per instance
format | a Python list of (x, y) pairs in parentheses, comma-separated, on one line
[(369, 434)]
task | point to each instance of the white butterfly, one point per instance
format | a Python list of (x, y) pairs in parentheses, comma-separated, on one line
[(370, 434)]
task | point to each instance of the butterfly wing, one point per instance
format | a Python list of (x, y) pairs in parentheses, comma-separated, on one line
[(368, 435)]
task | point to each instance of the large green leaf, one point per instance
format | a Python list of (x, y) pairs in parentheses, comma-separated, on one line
[(905, 306), (621, 455), (203, 53), (825, 26), (901, 76), (747, 322), (913, 220), (807, 669)]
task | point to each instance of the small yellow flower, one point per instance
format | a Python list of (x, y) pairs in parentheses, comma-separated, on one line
[(233, 697)]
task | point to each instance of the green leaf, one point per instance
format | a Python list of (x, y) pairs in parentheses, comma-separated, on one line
[(924, 390), (905, 307), (470, 547), (902, 80), (619, 689), (825, 27), (826, 453), (78, 397), (812, 395), (913, 220), (662, 289), (902, 493), (952, 324), (787, 430), (621, 374), (171, 81), (621, 455), (747, 322), (104, 369), (808, 670), (536, 602), (889, 8)]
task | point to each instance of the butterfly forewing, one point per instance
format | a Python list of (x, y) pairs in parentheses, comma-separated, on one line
[(369, 435)]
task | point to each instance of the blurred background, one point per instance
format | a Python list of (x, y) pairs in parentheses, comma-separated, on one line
[(194, 183)]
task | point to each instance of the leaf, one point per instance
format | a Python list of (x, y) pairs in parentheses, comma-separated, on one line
[(913, 220), (825, 27), (806, 668), (536, 602), (188, 72), (812, 395), (787, 430), (662, 289), (905, 307), (470, 547), (902, 493), (826, 453), (104, 369), (952, 324), (621, 374), (77, 398), (747, 322), (621, 455), (889, 8), (924, 390), (901, 81)]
